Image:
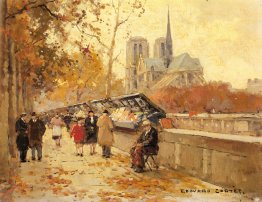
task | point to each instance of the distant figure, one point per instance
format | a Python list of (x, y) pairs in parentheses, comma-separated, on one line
[(44, 117), (78, 133), (57, 124), (67, 120), (36, 132), (105, 134), (147, 142), (22, 140), (91, 131)]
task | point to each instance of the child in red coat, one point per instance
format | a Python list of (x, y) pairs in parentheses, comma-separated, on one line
[(78, 132)]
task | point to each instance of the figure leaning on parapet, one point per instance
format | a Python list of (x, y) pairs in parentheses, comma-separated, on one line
[(36, 132)]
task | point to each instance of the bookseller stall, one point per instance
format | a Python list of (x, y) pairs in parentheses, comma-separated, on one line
[(129, 111)]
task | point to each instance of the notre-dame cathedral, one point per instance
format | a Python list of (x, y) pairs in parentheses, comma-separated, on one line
[(143, 72)]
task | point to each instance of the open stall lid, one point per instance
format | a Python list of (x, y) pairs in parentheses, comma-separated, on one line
[(135, 102)]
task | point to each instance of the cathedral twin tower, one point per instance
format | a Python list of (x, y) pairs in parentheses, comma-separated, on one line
[(138, 47), (164, 69)]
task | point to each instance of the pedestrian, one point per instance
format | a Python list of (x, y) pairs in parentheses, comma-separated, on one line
[(91, 131), (57, 124), (146, 143), (67, 120), (22, 140), (36, 132), (78, 133), (45, 118), (105, 134)]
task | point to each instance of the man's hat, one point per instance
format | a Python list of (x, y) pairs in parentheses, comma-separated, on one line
[(90, 111), (33, 114), (146, 123), (23, 114), (105, 112)]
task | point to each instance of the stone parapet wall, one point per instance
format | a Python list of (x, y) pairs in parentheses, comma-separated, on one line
[(240, 124), (228, 163)]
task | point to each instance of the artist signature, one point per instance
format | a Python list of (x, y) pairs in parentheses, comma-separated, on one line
[(218, 191)]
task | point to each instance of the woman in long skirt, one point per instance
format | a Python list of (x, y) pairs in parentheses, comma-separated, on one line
[(78, 133), (57, 124), (91, 131)]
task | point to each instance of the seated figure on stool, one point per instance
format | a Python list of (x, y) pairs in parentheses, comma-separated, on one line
[(146, 143)]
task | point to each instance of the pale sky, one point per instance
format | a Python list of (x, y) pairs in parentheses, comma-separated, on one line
[(226, 35)]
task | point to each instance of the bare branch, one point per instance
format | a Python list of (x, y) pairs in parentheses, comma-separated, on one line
[(44, 7), (92, 35), (32, 5), (115, 58), (119, 23), (124, 20), (35, 42), (25, 7), (113, 5)]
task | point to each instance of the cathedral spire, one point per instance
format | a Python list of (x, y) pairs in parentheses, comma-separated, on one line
[(169, 43)]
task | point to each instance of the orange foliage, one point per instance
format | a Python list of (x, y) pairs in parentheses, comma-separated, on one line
[(207, 98)]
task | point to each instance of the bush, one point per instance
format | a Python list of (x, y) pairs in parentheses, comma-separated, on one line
[(209, 98)]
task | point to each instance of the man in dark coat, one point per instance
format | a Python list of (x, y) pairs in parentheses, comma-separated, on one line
[(91, 131), (146, 143), (36, 132), (22, 140), (67, 119)]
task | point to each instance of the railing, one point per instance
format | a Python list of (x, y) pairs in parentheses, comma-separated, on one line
[(239, 124)]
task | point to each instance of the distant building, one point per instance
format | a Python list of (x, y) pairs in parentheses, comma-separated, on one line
[(136, 47), (143, 72), (254, 86), (149, 70), (160, 48), (169, 43), (183, 71)]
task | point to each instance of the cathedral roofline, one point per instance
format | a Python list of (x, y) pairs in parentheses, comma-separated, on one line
[(184, 62), (160, 38), (136, 38)]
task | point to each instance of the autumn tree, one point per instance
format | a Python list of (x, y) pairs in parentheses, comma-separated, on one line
[(4, 154), (209, 98), (41, 60), (18, 65), (81, 79), (33, 61), (103, 22)]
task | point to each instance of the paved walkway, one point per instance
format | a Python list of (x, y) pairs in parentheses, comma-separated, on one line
[(63, 176)]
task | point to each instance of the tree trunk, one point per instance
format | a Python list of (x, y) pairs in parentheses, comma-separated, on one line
[(32, 99), (78, 95), (19, 91), (111, 60), (29, 99), (109, 77), (24, 95), (27, 96), (4, 149), (12, 98)]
